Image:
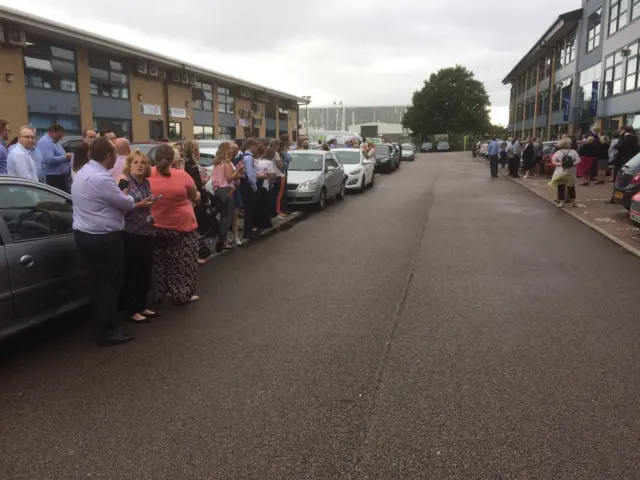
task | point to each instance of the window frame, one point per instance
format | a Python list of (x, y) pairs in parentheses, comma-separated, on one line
[(100, 89), (595, 30), (30, 72), (202, 96), (177, 128), (635, 10), (612, 65), (203, 135), (228, 134), (226, 100), (108, 123), (619, 20)]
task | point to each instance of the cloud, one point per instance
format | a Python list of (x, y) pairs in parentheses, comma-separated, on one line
[(359, 52)]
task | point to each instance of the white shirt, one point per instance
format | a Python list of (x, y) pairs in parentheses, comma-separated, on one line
[(20, 164), (265, 166), (557, 161), (279, 173)]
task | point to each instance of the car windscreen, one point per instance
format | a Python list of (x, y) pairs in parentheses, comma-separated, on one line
[(382, 152), (349, 158), (209, 143), (143, 147), (407, 146), (634, 163), (305, 162)]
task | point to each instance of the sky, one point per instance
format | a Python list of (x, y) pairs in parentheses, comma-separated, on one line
[(360, 52)]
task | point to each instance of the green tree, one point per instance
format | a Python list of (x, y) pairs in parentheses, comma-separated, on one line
[(451, 101)]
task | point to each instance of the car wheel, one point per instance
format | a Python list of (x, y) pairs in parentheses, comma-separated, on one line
[(342, 193), (323, 200)]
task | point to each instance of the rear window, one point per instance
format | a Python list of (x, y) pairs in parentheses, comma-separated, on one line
[(634, 163)]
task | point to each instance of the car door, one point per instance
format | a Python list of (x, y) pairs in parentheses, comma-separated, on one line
[(369, 167), (334, 177), (47, 273), (6, 299)]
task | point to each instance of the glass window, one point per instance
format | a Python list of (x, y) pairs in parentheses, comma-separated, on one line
[(108, 78), (121, 127), (635, 9), (617, 15), (203, 132), (227, 133), (42, 121), (631, 80), (202, 96), (31, 213), (226, 102), (613, 74), (49, 67), (593, 34), (175, 131)]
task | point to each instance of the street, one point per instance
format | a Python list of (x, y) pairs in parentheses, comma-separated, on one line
[(444, 325)]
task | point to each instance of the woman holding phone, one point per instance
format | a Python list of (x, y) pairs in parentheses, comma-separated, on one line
[(137, 237)]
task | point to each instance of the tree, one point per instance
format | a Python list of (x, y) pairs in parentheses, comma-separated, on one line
[(451, 101)]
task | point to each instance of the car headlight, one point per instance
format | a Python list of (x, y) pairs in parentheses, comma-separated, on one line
[(310, 185), (357, 171)]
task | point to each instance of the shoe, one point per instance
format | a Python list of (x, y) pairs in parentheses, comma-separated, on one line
[(142, 320), (237, 241), (116, 339), (574, 204), (150, 314), (560, 204)]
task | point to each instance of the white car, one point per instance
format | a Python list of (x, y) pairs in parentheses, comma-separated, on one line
[(408, 152), (358, 170), (205, 165)]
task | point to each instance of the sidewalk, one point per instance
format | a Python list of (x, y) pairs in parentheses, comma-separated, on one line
[(612, 221), (278, 224)]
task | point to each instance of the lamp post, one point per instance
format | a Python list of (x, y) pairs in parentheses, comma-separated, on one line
[(306, 114)]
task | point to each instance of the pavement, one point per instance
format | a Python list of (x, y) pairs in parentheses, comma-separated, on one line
[(444, 325), (611, 221)]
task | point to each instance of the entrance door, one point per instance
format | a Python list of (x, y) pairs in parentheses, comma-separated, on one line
[(156, 129)]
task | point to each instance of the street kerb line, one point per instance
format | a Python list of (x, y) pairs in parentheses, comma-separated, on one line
[(621, 243)]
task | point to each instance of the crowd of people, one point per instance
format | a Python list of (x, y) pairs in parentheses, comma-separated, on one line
[(137, 223), (578, 161)]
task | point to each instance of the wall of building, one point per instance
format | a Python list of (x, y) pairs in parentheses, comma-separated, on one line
[(242, 104), (293, 123), (84, 88), (180, 97), (13, 96), (152, 92)]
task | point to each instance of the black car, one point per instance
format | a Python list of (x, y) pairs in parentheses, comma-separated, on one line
[(627, 183), (386, 159)]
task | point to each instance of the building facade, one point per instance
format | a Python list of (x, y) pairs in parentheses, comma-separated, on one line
[(583, 72), (339, 117), (51, 73)]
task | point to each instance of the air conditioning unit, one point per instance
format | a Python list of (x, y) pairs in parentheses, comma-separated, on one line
[(175, 76), (184, 77), (153, 70), (17, 37), (162, 73), (193, 80), (141, 67), (245, 93)]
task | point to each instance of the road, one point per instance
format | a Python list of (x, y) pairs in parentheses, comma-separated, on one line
[(428, 329)]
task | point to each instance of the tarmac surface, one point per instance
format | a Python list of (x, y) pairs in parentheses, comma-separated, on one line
[(444, 325)]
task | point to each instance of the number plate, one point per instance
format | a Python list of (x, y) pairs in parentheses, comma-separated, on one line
[(619, 195), (635, 217)]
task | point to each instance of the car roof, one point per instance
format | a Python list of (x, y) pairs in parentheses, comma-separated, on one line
[(8, 180), (309, 152)]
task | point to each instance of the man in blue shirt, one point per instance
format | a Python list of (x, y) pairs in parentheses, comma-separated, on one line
[(493, 150), (248, 188), (56, 164), (4, 138)]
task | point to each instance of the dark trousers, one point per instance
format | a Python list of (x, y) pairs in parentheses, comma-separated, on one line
[(61, 182), (514, 166), (493, 165), (138, 260), (503, 159), (248, 203), (225, 219), (616, 170), (105, 256), (562, 189)]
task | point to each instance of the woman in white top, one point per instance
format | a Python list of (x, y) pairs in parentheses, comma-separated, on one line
[(565, 175), (265, 174)]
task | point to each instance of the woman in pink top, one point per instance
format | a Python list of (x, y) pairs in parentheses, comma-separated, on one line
[(221, 180), (175, 251)]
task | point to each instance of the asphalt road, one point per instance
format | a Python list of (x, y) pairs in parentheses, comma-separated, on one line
[(442, 326)]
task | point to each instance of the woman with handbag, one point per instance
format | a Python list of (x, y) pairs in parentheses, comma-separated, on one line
[(223, 189)]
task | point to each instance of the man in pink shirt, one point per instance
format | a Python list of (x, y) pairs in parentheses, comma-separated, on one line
[(123, 150)]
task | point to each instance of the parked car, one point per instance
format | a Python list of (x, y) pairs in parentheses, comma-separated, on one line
[(70, 143), (443, 146), (42, 272), (359, 170), (408, 152), (385, 159), (548, 149), (634, 210), (148, 149), (426, 147), (313, 177), (627, 184), (205, 165)]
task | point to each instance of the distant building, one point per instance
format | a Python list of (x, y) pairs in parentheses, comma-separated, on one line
[(340, 117)]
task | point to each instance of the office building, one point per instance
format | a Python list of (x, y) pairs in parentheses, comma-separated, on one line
[(54, 73), (583, 72), (339, 117)]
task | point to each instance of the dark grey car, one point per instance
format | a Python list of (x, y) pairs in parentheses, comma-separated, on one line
[(42, 273)]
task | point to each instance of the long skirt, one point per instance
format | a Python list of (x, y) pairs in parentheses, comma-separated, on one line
[(175, 264), (584, 167)]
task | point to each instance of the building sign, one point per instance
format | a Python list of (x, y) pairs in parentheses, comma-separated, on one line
[(178, 113), (148, 109), (566, 103), (593, 105)]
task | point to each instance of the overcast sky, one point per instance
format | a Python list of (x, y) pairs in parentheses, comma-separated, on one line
[(360, 52)]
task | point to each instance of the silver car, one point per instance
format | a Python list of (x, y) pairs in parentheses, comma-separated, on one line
[(313, 177), (42, 272)]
